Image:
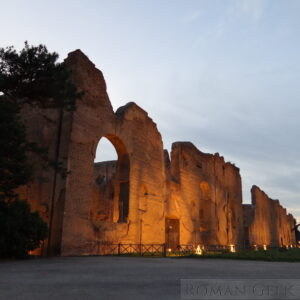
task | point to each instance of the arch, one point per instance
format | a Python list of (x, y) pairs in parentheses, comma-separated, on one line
[(115, 182)]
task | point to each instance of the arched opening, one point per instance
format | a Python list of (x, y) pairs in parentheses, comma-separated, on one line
[(111, 181)]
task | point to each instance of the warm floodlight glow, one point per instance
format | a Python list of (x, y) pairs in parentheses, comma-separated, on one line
[(169, 250), (265, 247), (232, 248), (198, 250)]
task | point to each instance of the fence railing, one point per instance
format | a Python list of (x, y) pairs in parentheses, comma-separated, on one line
[(105, 248), (137, 249), (155, 249)]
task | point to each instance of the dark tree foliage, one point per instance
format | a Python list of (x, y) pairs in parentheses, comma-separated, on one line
[(20, 229), (34, 76), (15, 169)]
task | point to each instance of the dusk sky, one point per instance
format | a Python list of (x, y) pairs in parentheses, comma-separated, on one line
[(222, 74)]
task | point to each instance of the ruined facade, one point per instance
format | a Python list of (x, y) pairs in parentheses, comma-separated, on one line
[(145, 197), (205, 194), (266, 222)]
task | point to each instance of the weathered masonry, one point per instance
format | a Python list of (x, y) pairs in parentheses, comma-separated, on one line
[(205, 194), (267, 222), (145, 196)]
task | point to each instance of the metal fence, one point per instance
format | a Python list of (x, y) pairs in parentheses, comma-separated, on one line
[(132, 249), (106, 248), (155, 249)]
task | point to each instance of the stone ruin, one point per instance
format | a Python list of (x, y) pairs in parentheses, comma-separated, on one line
[(267, 222), (145, 197)]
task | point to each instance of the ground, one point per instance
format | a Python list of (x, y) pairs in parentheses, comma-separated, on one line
[(132, 278)]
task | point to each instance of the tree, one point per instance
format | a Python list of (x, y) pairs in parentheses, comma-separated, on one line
[(32, 76), (15, 168), (20, 230)]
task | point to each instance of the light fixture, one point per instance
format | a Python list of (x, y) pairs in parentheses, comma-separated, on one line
[(198, 250)]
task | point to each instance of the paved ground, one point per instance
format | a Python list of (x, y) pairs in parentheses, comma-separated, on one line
[(132, 278)]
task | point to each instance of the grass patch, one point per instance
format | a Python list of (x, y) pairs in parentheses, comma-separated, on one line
[(291, 255)]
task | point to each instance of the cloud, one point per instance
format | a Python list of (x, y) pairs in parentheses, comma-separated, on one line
[(252, 8)]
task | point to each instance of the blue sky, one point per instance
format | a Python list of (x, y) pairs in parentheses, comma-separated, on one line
[(221, 74)]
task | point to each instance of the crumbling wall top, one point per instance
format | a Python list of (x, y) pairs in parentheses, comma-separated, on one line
[(190, 147), (88, 79)]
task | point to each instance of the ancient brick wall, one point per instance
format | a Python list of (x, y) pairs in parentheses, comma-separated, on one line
[(102, 207), (68, 204), (45, 193), (136, 140), (205, 194), (144, 196), (248, 216), (268, 223)]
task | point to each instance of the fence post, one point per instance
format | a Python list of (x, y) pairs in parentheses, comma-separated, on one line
[(164, 250), (119, 248)]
